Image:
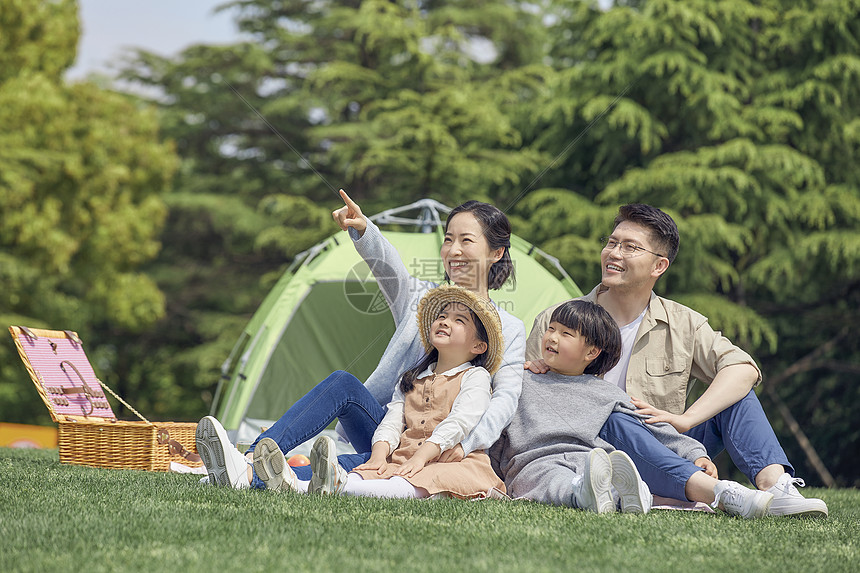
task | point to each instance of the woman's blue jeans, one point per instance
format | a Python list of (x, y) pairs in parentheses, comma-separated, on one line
[(340, 396), (742, 429)]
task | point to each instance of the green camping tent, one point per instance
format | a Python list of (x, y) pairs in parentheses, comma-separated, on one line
[(326, 313)]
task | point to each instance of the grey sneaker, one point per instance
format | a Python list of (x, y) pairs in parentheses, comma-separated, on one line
[(328, 477), (738, 500), (594, 491), (787, 501), (634, 493), (224, 464), (271, 466)]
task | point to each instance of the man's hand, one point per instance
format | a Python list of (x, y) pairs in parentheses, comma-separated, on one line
[(455, 454), (708, 466), (678, 421), (536, 366), (349, 215)]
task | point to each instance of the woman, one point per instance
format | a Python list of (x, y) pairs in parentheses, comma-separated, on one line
[(475, 254)]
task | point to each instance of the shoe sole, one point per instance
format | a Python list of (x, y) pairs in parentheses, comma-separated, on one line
[(212, 452), (813, 513), (322, 480), (625, 478), (271, 466), (599, 476), (809, 514)]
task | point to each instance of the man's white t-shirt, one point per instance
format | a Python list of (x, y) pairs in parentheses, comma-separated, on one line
[(618, 374)]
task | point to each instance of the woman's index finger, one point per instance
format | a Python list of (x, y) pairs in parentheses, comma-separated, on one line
[(347, 201)]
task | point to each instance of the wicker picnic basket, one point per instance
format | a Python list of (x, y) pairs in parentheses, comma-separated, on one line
[(89, 432)]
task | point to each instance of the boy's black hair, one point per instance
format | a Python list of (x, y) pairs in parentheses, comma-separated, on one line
[(594, 324), (407, 379), (663, 229)]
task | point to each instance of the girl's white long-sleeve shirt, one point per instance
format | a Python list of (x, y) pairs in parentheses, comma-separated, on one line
[(468, 408), (402, 291)]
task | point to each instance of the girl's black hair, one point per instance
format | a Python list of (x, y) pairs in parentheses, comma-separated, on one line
[(594, 324), (407, 379), (497, 230)]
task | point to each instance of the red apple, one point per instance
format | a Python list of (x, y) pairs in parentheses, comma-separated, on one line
[(298, 460)]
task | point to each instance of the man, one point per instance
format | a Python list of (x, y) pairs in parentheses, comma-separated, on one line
[(664, 346)]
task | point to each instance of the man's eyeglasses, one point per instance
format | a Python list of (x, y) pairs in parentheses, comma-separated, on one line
[(628, 249)]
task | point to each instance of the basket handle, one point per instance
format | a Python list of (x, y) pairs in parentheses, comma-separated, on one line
[(85, 390), (174, 447)]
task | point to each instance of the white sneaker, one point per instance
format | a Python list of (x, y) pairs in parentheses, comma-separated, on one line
[(271, 466), (594, 491), (634, 493), (224, 464), (788, 501), (738, 500), (328, 477)]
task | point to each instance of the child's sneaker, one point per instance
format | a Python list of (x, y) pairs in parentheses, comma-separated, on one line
[(634, 493), (594, 490), (738, 500), (224, 464), (271, 466), (328, 477), (788, 501)]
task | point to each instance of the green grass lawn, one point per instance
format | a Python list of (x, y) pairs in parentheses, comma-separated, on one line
[(56, 517)]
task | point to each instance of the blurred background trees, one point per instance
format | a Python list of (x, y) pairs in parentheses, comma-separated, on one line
[(82, 175), (154, 221)]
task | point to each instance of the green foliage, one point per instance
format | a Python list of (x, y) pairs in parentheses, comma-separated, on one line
[(38, 36), (739, 323), (389, 101), (82, 172), (739, 119), (81, 175)]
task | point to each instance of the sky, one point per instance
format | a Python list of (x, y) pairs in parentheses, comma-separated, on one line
[(110, 27)]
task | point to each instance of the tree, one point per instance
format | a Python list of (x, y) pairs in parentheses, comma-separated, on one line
[(388, 100), (81, 173), (740, 119)]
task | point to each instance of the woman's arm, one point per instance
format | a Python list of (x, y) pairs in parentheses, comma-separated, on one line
[(397, 285), (392, 423), (507, 387)]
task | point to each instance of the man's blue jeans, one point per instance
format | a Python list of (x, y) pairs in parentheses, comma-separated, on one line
[(340, 396), (742, 429)]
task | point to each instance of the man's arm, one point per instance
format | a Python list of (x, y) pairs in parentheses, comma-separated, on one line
[(730, 385)]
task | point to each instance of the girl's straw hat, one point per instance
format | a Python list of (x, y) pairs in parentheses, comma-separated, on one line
[(433, 302)]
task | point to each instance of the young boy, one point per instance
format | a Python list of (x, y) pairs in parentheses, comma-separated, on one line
[(551, 451), (665, 346)]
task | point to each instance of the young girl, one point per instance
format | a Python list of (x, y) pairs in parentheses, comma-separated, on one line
[(475, 255), (436, 404)]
